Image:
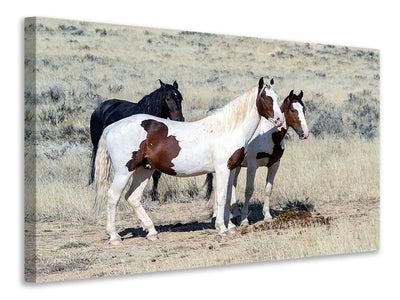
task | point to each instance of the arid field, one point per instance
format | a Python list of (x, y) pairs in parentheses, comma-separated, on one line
[(326, 192)]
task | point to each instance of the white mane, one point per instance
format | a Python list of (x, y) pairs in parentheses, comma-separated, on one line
[(238, 109), (235, 111)]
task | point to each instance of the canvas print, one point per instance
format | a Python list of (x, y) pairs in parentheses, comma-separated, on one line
[(151, 150)]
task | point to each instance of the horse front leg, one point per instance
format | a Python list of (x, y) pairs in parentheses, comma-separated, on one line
[(224, 178), (268, 190)]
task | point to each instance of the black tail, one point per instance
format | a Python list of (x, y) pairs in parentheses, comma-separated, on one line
[(92, 167), (209, 183), (96, 129)]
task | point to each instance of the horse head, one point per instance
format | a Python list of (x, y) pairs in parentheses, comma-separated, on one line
[(171, 101), (267, 103), (294, 111)]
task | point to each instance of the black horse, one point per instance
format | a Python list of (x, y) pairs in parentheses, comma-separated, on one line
[(165, 102)]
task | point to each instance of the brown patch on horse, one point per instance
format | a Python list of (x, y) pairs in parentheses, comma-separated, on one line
[(158, 148), (137, 158), (277, 151), (236, 159)]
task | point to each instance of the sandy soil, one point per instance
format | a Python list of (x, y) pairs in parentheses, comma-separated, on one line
[(68, 250)]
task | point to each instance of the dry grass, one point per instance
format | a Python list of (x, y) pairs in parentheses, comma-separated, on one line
[(316, 170), (79, 64)]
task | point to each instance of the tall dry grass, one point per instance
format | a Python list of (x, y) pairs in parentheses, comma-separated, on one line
[(316, 171)]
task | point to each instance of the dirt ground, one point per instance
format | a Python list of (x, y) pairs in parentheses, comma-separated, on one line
[(68, 250)]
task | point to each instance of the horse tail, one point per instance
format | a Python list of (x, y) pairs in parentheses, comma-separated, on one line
[(92, 165), (102, 166), (209, 183), (96, 129)]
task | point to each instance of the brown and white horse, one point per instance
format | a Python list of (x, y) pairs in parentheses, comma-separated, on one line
[(265, 149), (141, 143)]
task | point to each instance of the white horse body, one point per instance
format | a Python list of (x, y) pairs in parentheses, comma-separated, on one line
[(213, 144)]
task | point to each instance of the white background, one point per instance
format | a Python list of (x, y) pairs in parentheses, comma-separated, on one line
[(368, 24)]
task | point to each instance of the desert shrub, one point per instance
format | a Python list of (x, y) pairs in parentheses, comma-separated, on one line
[(62, 27), (56, 115), (358, 115), (328, 122), (73, 133), (102, 32), (115, 88), (311, 106), (365, 121), (48, 133), (53, 94), (363, 114), (53, 116), (71, 29)]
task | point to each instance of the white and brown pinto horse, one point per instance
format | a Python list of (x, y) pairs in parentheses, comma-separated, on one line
[(265, 149), (141, 143)]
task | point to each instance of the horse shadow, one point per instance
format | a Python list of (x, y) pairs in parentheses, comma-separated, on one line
[(129, 233), (255, 215)]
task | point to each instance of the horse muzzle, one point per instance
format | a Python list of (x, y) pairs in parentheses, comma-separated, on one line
[(278, 120), (303, 133), (180, 119)]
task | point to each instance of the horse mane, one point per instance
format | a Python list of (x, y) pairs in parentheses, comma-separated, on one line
[(151, 103), (235, 111)]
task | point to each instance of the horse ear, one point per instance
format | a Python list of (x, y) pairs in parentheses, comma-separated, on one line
[(162, 83), (261, 83), (291, 95), (175, 84), (301, 94), (271, 82)]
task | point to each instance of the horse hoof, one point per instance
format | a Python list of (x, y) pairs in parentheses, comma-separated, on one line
[(244, 224), (268, 220), (236, 220), (232, 231), (116, 242), (153, 237), (224, 234)]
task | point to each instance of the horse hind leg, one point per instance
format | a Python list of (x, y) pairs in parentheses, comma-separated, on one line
[(251, 172), (140, 180), (154, 192), (234, 206), (113, 195)]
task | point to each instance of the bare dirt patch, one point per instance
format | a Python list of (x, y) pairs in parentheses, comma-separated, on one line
[(187, 239)]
